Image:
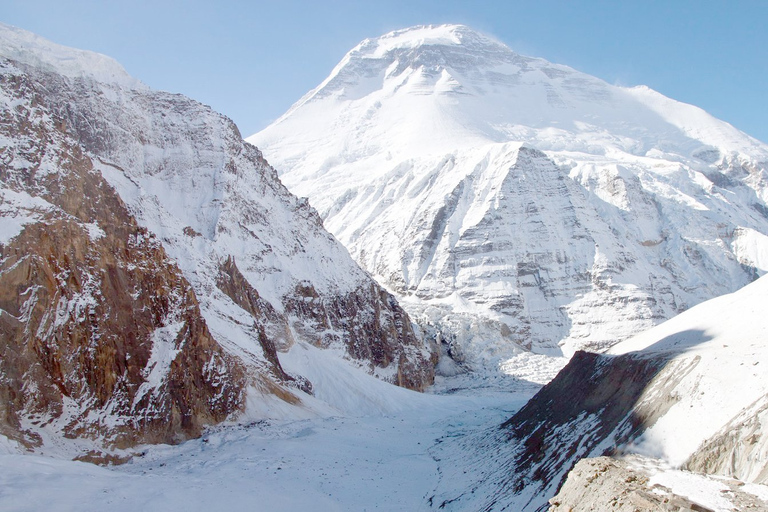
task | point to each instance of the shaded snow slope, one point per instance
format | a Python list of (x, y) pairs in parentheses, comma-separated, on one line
[(523, 203), (689, 391), (724, 341)]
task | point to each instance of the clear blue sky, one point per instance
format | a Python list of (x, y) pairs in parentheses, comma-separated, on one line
[(252, 60)]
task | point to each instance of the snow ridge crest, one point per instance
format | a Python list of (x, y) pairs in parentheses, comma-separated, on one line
[(427, 35)]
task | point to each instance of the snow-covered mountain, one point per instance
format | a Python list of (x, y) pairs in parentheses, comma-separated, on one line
[(511, 202), (154, 269), (690, 393)]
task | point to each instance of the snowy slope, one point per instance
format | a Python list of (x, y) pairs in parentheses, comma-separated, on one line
[(724, 340), (519, 202), (690, 393)]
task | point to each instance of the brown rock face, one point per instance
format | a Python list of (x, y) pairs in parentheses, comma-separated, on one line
[(101, 335), (375, 330), (113, 327)]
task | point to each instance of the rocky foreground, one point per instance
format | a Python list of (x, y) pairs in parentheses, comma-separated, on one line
[(630, 485)]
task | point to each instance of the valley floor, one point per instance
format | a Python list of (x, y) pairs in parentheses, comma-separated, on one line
[(387, 457), (377, 462)]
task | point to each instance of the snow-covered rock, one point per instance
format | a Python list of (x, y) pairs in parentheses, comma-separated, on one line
[(531, 205), (633, 484), (154, 267), (739, 449)]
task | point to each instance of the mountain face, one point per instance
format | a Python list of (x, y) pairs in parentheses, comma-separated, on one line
[(153, 266), (688, 393), (512, 203)]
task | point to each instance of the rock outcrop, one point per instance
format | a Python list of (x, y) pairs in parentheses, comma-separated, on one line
[(739, 449), (626, 485)]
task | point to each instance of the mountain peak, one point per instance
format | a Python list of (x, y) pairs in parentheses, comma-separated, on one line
[(448, 86), (411, 153), (424, 36), (27, 48), (451, 66), (430, 47)]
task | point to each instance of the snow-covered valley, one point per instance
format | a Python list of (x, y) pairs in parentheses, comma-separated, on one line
[(403, 450), (379, 461)]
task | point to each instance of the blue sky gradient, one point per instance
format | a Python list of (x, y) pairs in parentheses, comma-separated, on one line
[(252, 60)]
